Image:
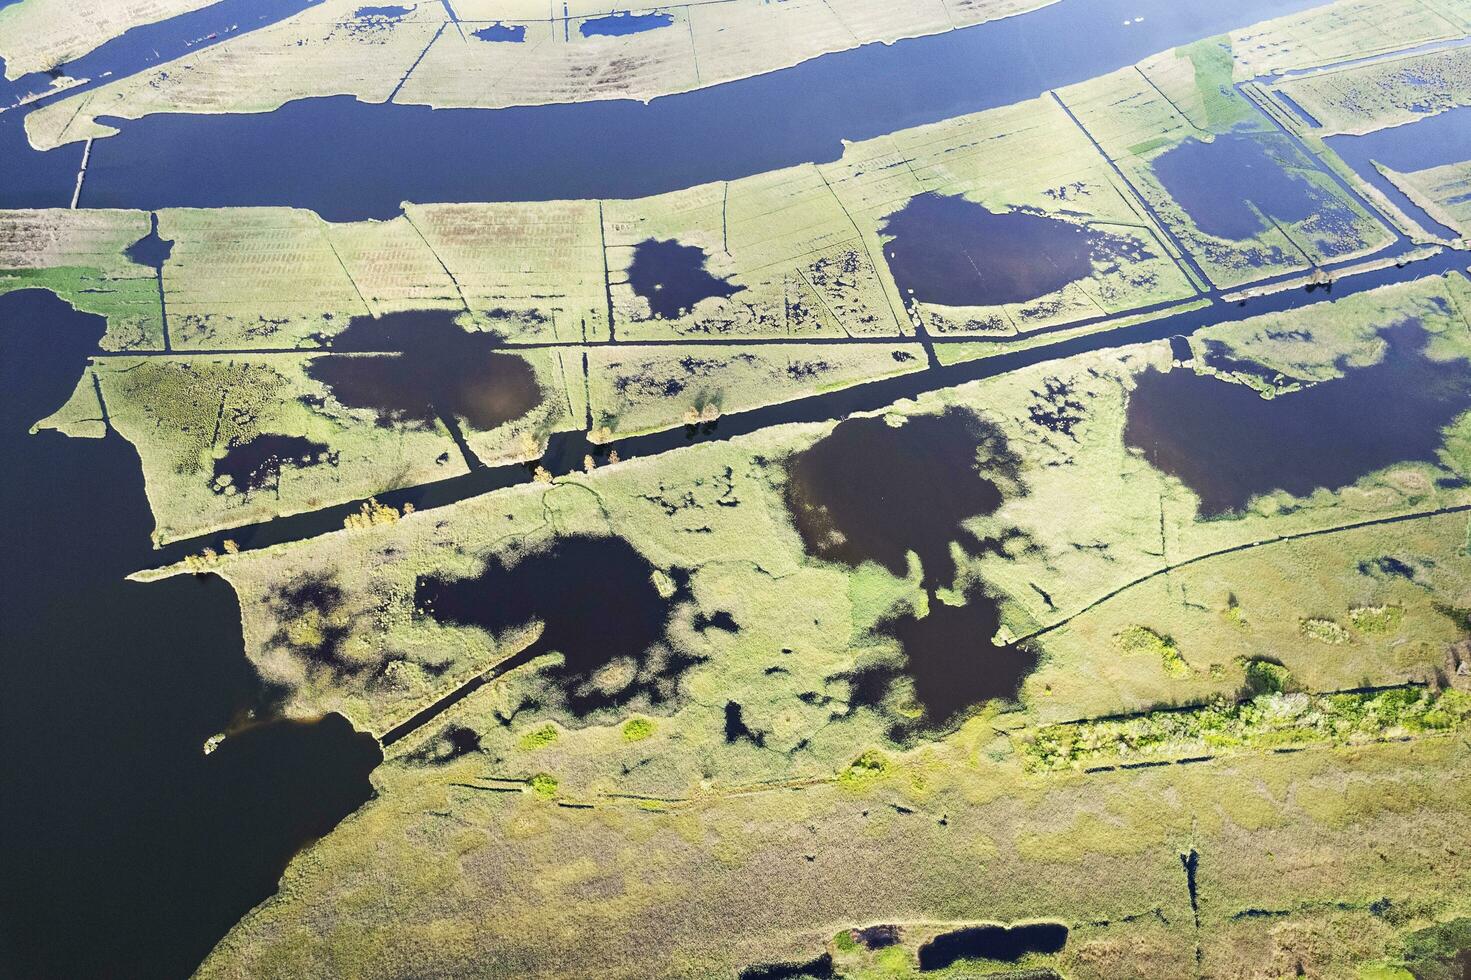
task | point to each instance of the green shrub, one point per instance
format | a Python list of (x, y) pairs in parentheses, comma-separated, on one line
[(1144, 641), (1265, 677), (1324, 631), (539, 738), (869, 766), (1376, 619), (637, 729)]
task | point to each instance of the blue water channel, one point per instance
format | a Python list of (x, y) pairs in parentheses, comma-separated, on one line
[(351, 160), (1430, 142)]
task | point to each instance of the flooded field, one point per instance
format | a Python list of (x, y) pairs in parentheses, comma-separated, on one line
[(256, 464), (1005, 943), (598, 607), (1246, 188), (672, 277), (954, 252), (917, 541), (617, 25), (872, 491), (439, 372), (1228, 444), (1431, 142), (953, 660)]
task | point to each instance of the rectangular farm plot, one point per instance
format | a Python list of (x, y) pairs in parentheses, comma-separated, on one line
[(82, 256), (635, 389), (555, 62), (1238, 195), (1348, 29), (1363, 98), (274, 278), (770, 256), (246, 278), (530, 272), (326, 49), (1002, 224), (228, 441), (232, 441), (1444, 193), (393, 267)]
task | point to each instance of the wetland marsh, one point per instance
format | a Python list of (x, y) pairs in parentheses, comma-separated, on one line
[(853, 489)]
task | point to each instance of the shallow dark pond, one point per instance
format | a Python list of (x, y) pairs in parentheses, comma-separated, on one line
[(954, 252), (1228, 444), (619, 24), (118, 828), (820, 968), (599, 605), (953, 661), (392, 12), (150, 250), (878, 937), (256, 464), (673, 278), (349, 160), (1005, 943), (1218, 182), (871, 491), (510, 33), (440, 372)]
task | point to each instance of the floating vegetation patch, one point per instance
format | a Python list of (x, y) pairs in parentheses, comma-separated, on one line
[(1231, 185), (1324, 631), (1229, 444), (498, 32), (539, 738), (1268, 721), (672, 277), (256, 463), (599, 608), (952, 660), (1004, 943), (1376, 619), (619, 24), (949, 251), (872, 491), (637, 729), (425, 368)]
